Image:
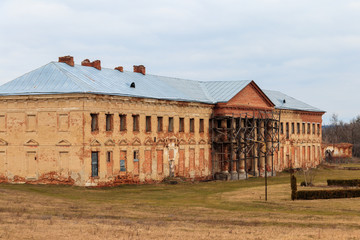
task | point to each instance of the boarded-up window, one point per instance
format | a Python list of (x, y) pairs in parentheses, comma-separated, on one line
[(303, 128), (308, 128), (94, 164), (94, 122), (181, 124), (109, 122), (202, 159), (136, 162), (201, 129), (31, 164), (64, 161), (160, 124), (122, 161), (182, 162), (192, 159), (122, 122), (63, 122), (2, 123), (192, 125), (171, 124), (108, 156), (146, 167), (159, 158), (31, 123), (135, 123), (313, 128), (148, 124)]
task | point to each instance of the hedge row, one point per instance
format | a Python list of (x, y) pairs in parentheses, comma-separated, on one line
[(327, 194), (347, 183)]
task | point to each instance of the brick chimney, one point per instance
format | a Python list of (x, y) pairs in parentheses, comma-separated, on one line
[(69, 60), (139, 69), (119, 68), (96, 64)]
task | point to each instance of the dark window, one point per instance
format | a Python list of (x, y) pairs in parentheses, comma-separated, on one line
[(108, 156), (122, 122), (192, 123), (308, 128), (292, 128), (303, 128), (160, 124), (94, 164), (281, 128), (287, 130), (201, 129), (228, 123), (298, 128), (94, 122), (218, 123), (109, 122), (136, 155), (122, 166), (135, 123), (181, 124), (148, 124), (171, 124), (313, 128), (318, 128)]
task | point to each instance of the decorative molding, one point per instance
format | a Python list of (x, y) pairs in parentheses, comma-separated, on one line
[(161, 141), (3, 142), (95, 143), (202, 141), (148, 141), (63, 143), (192, 141), (31, 142), (123, 142), (136, 141), (181, 142), (109, 142)]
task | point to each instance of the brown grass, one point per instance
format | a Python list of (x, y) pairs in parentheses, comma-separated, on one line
[(213, 210)]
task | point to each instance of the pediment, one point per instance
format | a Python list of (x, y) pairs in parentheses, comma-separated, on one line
[(136, 141), (161, 141), (251, 96), (3, 142), (182, 141), (123, 142), (192, 141), (109, 142), (31, 142), (202, 141), (148, 141), (63, 143), (95, 143)]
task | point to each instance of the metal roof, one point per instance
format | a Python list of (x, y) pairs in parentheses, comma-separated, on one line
[(60, 78), (283, 101)]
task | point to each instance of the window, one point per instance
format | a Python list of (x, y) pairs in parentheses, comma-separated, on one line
[(94, 164), (292, 128), (218, 123), (303, 128), (109, 122), (171, 124), (148, 124), (160, 124), (136, 155), (108, 156), (282, 128), (192, 125), (122, 122), (308, 128), (313, 128), (287, 130), (181, 124), (318, 128), (298, 128), (122, 166), (94, 122), (135, 123), (201, 129)]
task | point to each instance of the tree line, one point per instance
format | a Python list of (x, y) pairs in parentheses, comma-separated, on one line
[(338, 132)]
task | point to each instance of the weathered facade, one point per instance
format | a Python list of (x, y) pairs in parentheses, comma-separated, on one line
[(88, 126), (336, 150)]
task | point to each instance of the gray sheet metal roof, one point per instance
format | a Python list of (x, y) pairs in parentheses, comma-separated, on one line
[(290, 103), (60, 78)]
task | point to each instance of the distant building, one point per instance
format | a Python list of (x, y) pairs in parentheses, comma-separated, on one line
[(91, 126)]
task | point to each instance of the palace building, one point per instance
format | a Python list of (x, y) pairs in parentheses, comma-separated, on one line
[(86, 125)]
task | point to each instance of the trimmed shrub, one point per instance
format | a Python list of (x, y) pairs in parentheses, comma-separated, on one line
[(347, 183), (293, 187), (327, 194)]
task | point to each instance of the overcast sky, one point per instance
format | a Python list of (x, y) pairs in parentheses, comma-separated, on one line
[(307, 49)]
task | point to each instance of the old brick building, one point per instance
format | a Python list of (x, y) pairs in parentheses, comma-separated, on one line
[(88, 126)]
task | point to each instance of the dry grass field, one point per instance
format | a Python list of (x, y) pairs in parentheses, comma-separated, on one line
[(209, 210)]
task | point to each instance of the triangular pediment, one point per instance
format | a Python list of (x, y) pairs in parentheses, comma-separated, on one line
[(31, 142), (95, 143), (161, 141), (181, 142), (63, 143), (251, 96), (136, 141), (3, 142), (192, 141), (109, 142), (123, 142), (148, 141), (202, 141)]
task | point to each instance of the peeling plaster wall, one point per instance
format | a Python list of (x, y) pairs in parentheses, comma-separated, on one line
[(337, 150)]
